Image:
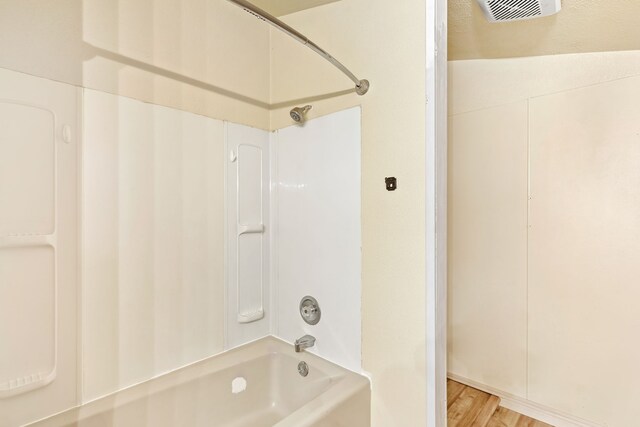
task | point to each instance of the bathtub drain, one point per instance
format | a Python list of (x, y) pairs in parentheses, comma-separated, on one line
[(303, 369)]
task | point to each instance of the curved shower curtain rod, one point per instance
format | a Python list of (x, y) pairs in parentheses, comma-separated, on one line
[(362, 86)]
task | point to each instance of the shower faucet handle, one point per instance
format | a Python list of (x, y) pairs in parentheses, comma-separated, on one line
[(310, 310)]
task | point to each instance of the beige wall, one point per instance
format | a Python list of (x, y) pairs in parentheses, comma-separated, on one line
[(543, 268), (384, 43), (581, 26), (488, 246), (200, 56)]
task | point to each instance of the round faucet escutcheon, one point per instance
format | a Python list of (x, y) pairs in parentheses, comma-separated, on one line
[(310, 310)]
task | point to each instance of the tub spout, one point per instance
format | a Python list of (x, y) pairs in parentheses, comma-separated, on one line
[(304, 342)]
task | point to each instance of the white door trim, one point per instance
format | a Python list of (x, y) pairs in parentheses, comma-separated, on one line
[(436, 212)]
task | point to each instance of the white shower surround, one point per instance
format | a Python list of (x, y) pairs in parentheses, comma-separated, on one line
[(152, 240), (316, 201), (315, 234)]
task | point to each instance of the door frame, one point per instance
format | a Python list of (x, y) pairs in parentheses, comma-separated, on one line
[(436, 212)]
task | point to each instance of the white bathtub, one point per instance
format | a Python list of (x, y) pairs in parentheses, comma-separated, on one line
[(201, 394)]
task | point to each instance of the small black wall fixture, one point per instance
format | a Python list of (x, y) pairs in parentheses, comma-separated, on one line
[(391, 183)]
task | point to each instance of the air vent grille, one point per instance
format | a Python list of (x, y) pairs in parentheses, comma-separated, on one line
[(506, 10), (518, 10)]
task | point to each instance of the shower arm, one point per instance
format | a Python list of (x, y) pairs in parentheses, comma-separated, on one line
[(362, 86)]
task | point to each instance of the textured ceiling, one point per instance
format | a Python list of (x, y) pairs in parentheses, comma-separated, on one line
[(285, 7), (581, 26)]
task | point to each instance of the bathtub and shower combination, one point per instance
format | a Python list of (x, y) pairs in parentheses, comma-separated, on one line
[(266, 382), (261, 384)]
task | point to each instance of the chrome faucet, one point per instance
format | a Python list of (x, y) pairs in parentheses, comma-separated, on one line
[(304, 342)]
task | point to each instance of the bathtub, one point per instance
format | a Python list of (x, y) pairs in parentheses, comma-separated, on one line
[(256, 385)]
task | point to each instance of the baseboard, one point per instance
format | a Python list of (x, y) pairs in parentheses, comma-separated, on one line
[(527, 407)]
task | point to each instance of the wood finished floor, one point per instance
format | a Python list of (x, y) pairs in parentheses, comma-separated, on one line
[(468, 407)]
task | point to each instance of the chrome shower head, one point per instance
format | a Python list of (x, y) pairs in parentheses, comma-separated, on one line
[(298, 113)]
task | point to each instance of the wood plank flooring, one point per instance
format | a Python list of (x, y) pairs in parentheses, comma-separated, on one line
[(468, 407)]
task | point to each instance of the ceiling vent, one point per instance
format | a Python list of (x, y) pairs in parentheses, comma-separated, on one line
[(516, 10)]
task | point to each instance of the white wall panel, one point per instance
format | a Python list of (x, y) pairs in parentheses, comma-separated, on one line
[(27, 157), (581, 256), (248, 235), (153, 247), (318, 237), (583, 252), (38, 247), (487, 328)]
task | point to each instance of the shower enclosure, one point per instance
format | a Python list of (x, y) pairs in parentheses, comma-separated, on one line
[(168, 199)]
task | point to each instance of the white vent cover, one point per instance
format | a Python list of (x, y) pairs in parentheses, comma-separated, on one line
[(515, 10)]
